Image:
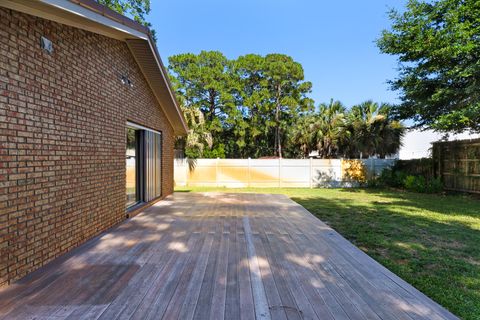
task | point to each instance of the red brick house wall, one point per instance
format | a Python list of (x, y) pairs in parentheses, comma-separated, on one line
[(62, 138)]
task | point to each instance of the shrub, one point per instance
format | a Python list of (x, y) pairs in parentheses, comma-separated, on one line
[(354, 171), (402, 179), (435, 186), (421, 185), (392, 178), (416, 167), (414, 183)]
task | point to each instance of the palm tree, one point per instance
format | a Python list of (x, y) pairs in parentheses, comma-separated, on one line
[(301, 135), (391, 132), (327, 128), (369, 130)]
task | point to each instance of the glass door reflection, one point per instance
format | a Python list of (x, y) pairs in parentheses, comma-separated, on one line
[(131, 167)]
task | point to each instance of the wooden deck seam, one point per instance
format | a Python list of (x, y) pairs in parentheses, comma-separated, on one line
[(219, 256)]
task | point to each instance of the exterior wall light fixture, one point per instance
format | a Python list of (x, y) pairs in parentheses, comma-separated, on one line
[(126, 81)]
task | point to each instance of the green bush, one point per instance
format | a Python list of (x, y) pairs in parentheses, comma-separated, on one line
[(421, 185), (405, 180), (391, 178), (413, 183), (435, 186)]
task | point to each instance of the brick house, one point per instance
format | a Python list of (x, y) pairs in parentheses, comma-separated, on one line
[(87, 127)]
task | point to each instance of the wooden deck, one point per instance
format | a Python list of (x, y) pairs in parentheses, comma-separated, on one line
[(217, 256)]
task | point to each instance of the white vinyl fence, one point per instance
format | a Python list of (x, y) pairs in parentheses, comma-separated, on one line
[(238, 173)]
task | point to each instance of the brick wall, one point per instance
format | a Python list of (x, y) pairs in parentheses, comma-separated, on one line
[(62, 138)]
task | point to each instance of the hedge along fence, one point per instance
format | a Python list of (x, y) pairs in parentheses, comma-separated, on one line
[(299, 173), (457, 163), (417, 167)]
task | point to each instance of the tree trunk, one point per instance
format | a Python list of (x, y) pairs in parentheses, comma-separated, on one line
[(278, 141), (212, 105)]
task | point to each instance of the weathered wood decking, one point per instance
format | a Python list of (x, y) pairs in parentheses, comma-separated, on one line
[(217, 256)]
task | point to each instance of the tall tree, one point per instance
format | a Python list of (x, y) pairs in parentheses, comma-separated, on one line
[(438, 47), (288, 93), (247, 103), (204, 81), (252, 98)]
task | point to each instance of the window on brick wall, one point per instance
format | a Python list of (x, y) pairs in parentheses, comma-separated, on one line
[(143, 165)]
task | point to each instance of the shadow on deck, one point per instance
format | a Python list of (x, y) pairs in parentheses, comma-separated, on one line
[(218, 256)]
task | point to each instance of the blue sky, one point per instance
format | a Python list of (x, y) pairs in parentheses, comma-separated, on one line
[(333, 40)]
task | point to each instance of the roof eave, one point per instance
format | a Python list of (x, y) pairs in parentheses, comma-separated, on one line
[(89, 15)]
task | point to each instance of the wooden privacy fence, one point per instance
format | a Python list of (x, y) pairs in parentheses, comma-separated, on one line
[(238, 173), (457, 163)]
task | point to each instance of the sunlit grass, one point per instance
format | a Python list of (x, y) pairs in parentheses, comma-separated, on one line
[(431, 241)]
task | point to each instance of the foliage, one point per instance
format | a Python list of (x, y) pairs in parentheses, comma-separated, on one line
[(365, 130), (421, 185), (429, 240), (257, 106), (392, 178), (286, 93), (135, 9), (301, 136), (199, 139), (247, 103), (370, 130), (437, 44), (354, 170), (414, 183), (417, 167), (203, 84), (327, 132), (414, 175)]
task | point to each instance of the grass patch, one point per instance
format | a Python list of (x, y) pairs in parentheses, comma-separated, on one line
[(431, 241)]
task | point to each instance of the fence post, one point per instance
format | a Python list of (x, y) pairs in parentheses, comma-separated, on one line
[(374, 169), (311, 173), (249, 177), (216, 172), (187, 170), (279, 172)]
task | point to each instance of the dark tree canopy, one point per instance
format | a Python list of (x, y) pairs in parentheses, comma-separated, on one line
[(247, 104), (438, 47), (258, 106)]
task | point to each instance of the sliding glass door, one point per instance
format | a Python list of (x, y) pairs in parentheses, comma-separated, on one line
[(143, 164), (132, 167), (153, 165)]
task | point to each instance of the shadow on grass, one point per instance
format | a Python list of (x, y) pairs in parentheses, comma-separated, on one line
[(448, 204)]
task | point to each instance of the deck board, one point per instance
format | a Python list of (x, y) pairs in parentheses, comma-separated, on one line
[(217, 256)]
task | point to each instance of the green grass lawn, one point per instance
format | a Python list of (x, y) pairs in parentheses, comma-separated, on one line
[(431, 241)]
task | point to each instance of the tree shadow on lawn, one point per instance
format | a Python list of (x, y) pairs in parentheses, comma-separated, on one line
[(447, 204), (439, 256)]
